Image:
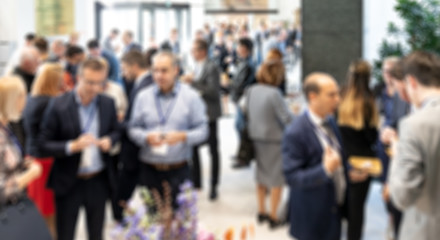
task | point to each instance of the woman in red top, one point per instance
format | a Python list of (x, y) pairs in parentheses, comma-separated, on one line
[(48, 84)]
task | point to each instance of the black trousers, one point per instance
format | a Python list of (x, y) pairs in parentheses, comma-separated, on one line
[(154, 179), (127, 182), (357, 196), (92, 195), (215, 159), (396, 215)]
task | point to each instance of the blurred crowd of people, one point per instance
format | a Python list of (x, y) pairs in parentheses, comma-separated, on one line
[(81, 126)]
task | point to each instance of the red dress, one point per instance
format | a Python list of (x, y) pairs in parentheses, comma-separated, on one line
[(39, 193)]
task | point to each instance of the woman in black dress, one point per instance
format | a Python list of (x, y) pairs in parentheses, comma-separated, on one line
[(358, 120)]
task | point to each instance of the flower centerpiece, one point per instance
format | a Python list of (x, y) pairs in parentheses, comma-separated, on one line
[(155, 219)]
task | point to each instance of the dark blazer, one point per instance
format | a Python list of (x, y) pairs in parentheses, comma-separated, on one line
[(244, 77), (32, 117), (313, 211), (60, 125), (400, 109), (208, 85), (130, 151), (220, 53)]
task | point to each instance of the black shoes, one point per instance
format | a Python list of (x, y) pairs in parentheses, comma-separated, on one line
[(262, 218), (273, 224), (239, 164), (213, 194)]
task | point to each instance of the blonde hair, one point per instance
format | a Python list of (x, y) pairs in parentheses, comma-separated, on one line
[(12, 88), (48, 81), (358, 106)]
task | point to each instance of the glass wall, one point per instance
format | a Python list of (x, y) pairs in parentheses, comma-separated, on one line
[(150, 23)]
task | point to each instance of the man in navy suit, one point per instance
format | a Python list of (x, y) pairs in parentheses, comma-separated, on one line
[(78, 129), (313, 164), (136, 69)]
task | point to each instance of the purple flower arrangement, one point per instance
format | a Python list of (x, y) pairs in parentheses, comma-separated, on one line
[(155, 218)]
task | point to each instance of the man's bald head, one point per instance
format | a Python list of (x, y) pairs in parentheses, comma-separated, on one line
[(28, 53), (29, 60), (322, 93), (314, 82)]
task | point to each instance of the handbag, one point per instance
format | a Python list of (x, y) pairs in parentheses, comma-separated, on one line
[(22, 221), (246, 149), (372, 165)]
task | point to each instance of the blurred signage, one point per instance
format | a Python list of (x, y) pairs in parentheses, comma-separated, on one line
[(54, 17), (243, 6)]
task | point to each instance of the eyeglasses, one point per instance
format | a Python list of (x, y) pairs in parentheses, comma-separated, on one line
[(94, 83)]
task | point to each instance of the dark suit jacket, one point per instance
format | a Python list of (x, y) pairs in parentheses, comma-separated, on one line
[(244, 77), (313, 211), (60, 125), (400, 109), (32, 117), (130, 151), (208, 85)]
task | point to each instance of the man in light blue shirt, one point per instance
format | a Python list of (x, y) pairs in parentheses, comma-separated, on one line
[(168, 119)]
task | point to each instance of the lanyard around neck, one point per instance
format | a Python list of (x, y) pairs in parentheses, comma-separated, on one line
[(89, 119), (326, 136), (164, 117)]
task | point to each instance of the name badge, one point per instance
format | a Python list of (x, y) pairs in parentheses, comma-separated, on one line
[(87, 156), (161, 150)]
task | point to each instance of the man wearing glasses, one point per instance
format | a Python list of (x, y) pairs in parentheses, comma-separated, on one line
[(78, 129)]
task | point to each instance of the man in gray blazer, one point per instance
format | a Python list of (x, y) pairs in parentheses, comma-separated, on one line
[(414, 182), (206, 80)]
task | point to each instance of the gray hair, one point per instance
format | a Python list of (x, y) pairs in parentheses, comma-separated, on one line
[(168, 54)]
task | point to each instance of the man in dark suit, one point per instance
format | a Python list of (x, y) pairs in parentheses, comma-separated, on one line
[(313, 164), (78, 129), (206, 80), (135, 68)]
